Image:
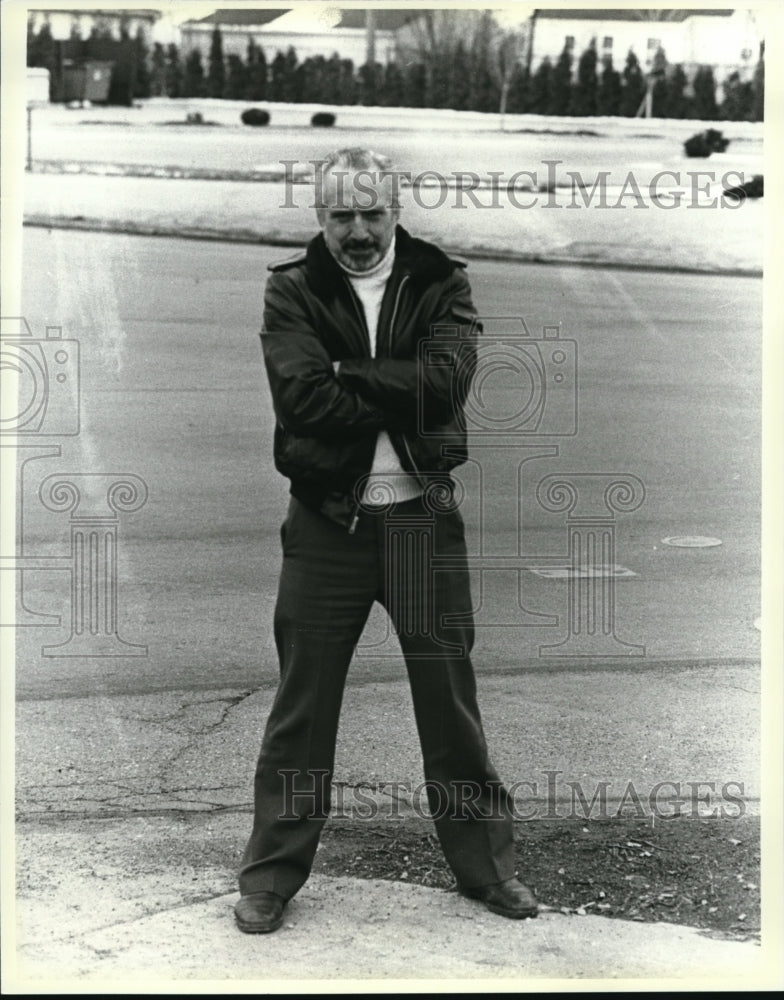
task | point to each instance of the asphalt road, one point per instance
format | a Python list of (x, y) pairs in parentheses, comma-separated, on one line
[(173, 391)]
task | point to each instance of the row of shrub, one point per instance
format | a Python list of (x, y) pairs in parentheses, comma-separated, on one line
[(260, 117), (462, 73)]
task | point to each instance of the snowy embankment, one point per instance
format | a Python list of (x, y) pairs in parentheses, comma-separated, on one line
[(588, 190)]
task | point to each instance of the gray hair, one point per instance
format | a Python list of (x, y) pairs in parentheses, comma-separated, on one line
[(354, 159), (357, 158)]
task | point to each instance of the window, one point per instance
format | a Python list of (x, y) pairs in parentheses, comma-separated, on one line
[(569, 42), (653, 43), (607, 43)]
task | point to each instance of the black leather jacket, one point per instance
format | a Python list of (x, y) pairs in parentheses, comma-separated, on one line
[(414, 388)]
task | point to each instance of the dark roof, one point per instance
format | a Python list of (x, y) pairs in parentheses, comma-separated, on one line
[(386, 19), (256, 15), (630, 14)]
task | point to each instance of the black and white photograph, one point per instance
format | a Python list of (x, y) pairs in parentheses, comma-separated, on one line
[(391, 513)]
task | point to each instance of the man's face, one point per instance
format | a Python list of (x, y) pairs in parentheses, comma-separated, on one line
[(357, 216)]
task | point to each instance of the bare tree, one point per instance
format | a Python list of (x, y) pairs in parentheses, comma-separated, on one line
[(431, 39), (510, 49), (507, 54)]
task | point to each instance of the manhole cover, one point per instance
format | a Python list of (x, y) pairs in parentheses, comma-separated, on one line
[(691, 541), (580, 572)]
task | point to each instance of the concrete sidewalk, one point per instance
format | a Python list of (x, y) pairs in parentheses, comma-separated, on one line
[(130, 836), (119, 915)]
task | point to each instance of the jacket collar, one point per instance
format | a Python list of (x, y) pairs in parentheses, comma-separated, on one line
[(423, 261)]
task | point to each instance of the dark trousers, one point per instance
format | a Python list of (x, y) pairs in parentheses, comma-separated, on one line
[(329, 581)]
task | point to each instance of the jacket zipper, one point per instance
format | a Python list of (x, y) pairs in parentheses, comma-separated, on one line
[(403, 280), (363, 324), (417, 474)]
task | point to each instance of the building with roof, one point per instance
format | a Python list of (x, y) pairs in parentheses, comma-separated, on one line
[(311, 31), (728, 40)]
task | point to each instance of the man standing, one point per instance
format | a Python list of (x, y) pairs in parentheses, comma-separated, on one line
[(368, 427)]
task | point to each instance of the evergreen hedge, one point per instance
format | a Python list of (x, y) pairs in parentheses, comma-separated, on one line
[(463, 76)]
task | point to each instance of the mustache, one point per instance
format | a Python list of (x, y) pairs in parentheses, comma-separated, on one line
[(355, 245)]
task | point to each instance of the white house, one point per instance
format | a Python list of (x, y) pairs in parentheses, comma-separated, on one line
[(727, 40), (312, 31)]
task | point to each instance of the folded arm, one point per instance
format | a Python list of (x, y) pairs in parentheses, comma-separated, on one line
[(434, 383), (307, 397)]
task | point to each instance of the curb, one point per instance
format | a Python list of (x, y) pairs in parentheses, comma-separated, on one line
[(130, 228), (71, 168), (272, 175)]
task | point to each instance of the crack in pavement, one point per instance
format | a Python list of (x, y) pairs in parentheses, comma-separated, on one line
[(113, 807), (154, 911), (105, 795), (111, 790), (52, 816), (127, 791), (231, 702)]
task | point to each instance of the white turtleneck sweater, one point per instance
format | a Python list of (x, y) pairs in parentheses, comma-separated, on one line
[(391, 481)]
